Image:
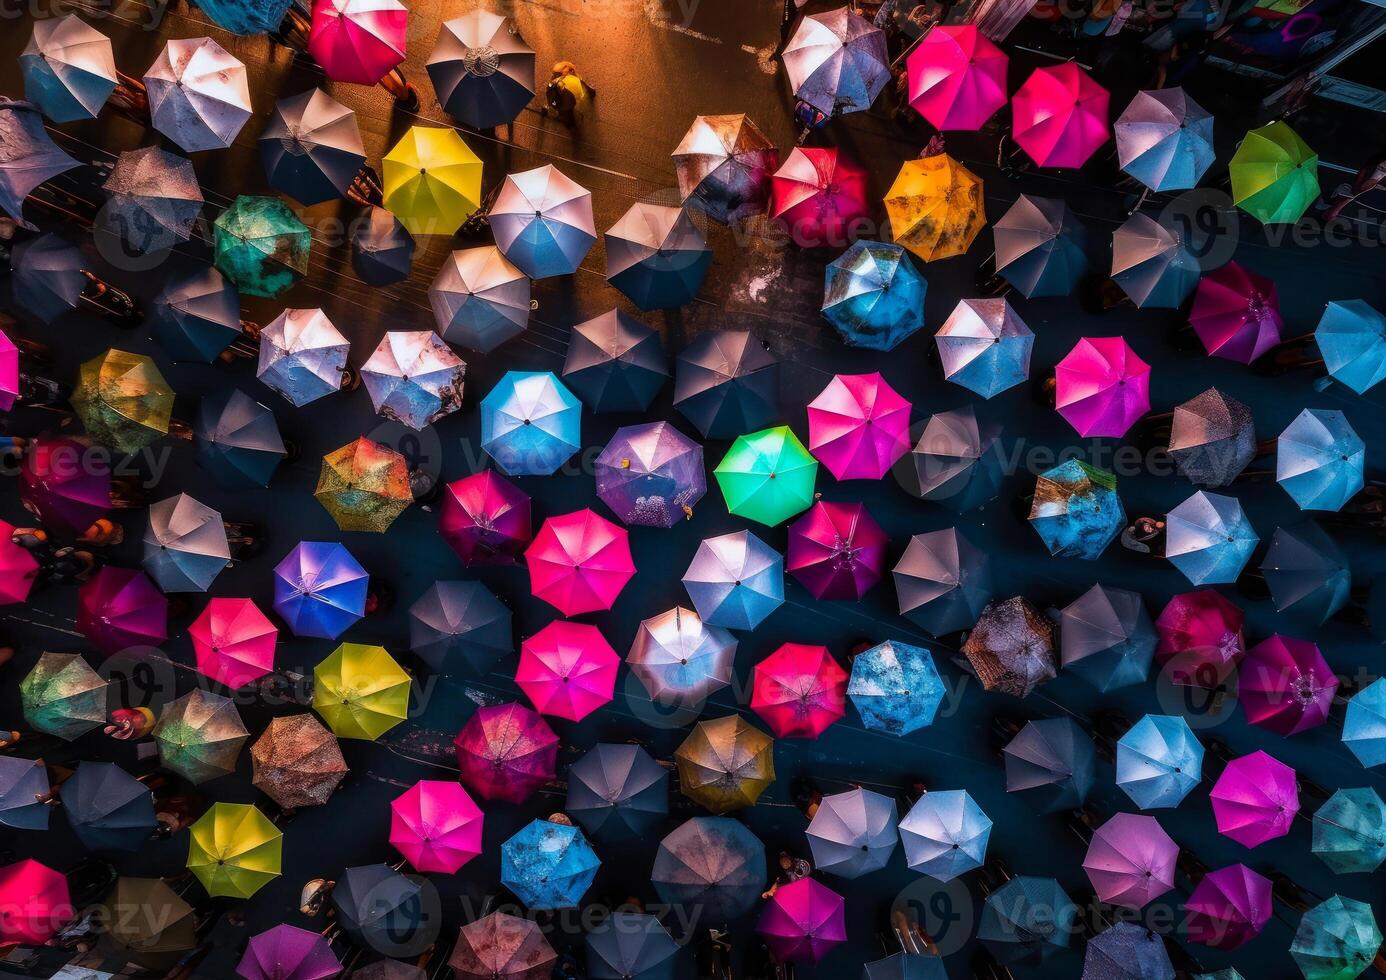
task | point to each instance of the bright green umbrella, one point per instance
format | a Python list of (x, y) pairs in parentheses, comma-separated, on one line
[(1336, 940), (767, 476), (1275, 176), (261, 245), (234, 850), (63, 696)]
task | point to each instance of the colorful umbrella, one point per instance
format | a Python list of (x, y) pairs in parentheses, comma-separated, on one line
[(1255, 799), (945, 834), (69, 69), (543, 222), (1130, 861), (1364, 724), (799, 690), (1284, 685), (485, 518), (481, 69), (311, 148), (414, 378), (459, 626), (985, 346), (1051, 762), (378, 908), (501, 946), (364, 486), (957, 77), (1236, 313), (479, 299), (548, 865), (530, 423), (615, 363), (382, 252), (197, 316), (1350, 831), (296, 762), (579, 562), (723, 165), (1319, 460), (119, 608), (726, 383), (200, 736), (238, 440), (1102, 387), (62, 696), (360, 691), (725, 764), (1060, 116), (567, 670), (818, 197), (957, 461), (1337, 939), (122, 400), (943, 581), (836, 61), (1212, 438), (1200, 638), (802, 921), (935, 206), (858, 426), (767, 476), (287, 952), (1165, 139), (656, 256), (1040, 247), (23, 787), (1158, 761), (436, 826), (1228, 907), (632, 944), (836, 550), (154, 199), (320, 589), (36, 902), (28, 156), (651, 475), (713, 864), (1209, 538), (1127, 950), (1351, 336), (1307, 573), (853, 833), (735, 580), (895, 688), (358, 41), (873, 295), (432, 180), (261, 246), (1026, 920), (1076, 510), (185, 545), (1106, 637), (1152, 264), (506, 752), (234, 851), (1275, 176), (617, 792), (18, 568), (198, 94)]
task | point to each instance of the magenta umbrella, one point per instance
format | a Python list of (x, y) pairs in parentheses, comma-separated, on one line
[(859, 426), (1236, 313), (1228, 907), (1102, 387), (1255, 799), (506, 752), (1130, 860), (802, 921), (837, 550), (485, 518), (288, 953), (233, 641), (18, 568), (358, 41), (436, 826), (1060, 116), (1285, 685), (567, 670), (957, 78), (66, 483), (9, 372), (119, 608), (579, 562)]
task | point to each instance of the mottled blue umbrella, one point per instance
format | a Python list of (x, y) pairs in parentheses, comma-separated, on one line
[(943, 581), (1351, 336), (197, 315), (320, 589), (530, 423), (1127, 951), (460, 626), (873, 295), (1051, 762), (548, 865), (238, 440), (1158, 761), (1106, 637), (1041, 248), (735, 580), (311, 148), (28, 156), (302, 356), (1308, 574), (1165, 139), (1209, 538), (615, 363), (185, 546), (246, 17), (651, 474), (109, 809), (1319, 460), (22, 781), (1152, 264), (985, 346), (957, 461), (656, 256), (1364, 725), (617, 792), (1337, 939), (853, 833), (1076, 510), (1350, 831), (710, 865), (905, 966), (945, 834), (726, 383), (46, 278), (154, 199), (895, 687), (632, 946), (69, 69), (382, 250), (1026, 920), (542, 222)]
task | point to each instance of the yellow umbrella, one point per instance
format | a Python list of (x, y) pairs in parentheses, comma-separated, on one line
[(364, 486), (432, 180), (123, 400), (360, 691), (234, 850), (725, 764), (935, 207)]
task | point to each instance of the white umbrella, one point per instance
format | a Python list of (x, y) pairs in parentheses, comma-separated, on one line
[(543, 222), (198, 95), (480, 300)]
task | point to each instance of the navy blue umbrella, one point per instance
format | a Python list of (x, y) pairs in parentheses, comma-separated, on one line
[(238, 439), (943, 581), (956, 462), (905, 966), (382, 251), (47, 277), (155, 199), (1040, 247), (1106, 637), (1307, 573), (1051, 761), (197, 316), (632, 946), (656, 256), (481, 69), (22, 782), (1127, 951), (457, 626), (726, 383), (109, 809), (311, 149), (615, 363), (379, 908), (617, 792)]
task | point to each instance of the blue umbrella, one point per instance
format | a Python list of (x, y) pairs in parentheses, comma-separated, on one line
[(1026, 920), (530, 423), (945, 834), (109, 809), (311, 148), (1041, 249), (712, 866), (154, 199), (873, 295), (1308, 574), (1351, 336), (943, 581), (47, 277), (548, 865), (1076, 510), (246, 17), (1165, 139), (1158, 761), (1319, 460), (21, 781), (320, 589), (1051, 761), (985, 346), (853, 833), (238, 440), (615, 363), (1209, 538), (905, 966), (1350, 831), (28, 156), (656, 256), (460, 626), (895, 687), (632, 946), (69, 69), (735, 580), (382, 250), (1106, 637), (197, 315), (1127, 951), (481, 69), (185, 546), (542, 222), (617, 792), (1364, 726), (1152, 264)]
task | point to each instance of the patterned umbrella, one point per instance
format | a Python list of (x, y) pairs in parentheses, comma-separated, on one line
[(311, 148), (895, 688), (1076, 510), (799, 690), (1275, 176), (69, 69), (836, 550), (1337, 939), (617, 792), (818, 197), (1158, 761), (506, 752), (501, 946), (481, 69), (1308, 574), (651, 474), (543, 222), (378, 908), (436, 826), (479, 299), (28, 156), (1060, 116), (1152, 264), (485, 518), (726, 383), (457, 626), (1319, 460), (1107, 638), (200, 736), (360, 691), (1209, 538), (1026, 920), (1351, 336), (957, 77), (656, 256), (725, 764), (154, 199), (723, 165), (1130, 861), (1051, 761), (579, 562), (296, 762), (1165, 139), (47, 278), (858, 426), (1364, 725), (836, 61), (23, 787), (853, 833), (234, 850), (1236, 313), (935, 206), (358, 41), (530, 423), (1285, 685), (61, 695), (713, 864), (802, 921), (985, 346), (414, 378), (1200, 638), (1212, 438), (1041, 248), (943, 581), (238, 440), (261, 246), (198, 94), (432, 180), (185, 545), (197, 316), (1255, 799), (1350, 831), (320, 589), (382, 251), (956, 462), (873, 295), (548, 865), (119, 608), (1228, 907), (1102, 387), (567, 670), (632, 944), (945, 834), (287, 952), (1127, 950), (767, 476), (122, 400), (364, 486), (735, 580), (615, 363), (36, 901)]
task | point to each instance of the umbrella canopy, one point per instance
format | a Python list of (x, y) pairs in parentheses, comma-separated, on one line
[(1106, 637), (1209, 538), (479, 299), (62, 696), (1236, 313), (302, 356), (69, 69), (9, 372), (1051, 761), (1285, 685), (1228, 907), (1076, 510), (382, 251), (836, 61), (1350, 831), (1337, 939), (501, 946), (296, 762), (436, 826), (122, 400), (956, 462), (18, 568), (432, 180), (935, 207), (1212, 438), (723, 165), (567, 670), (632, 944), (459, 626), (1130, 861), (651, 474), (548, 865), (1165, 139), (530, 423), (714, 864), (320, 589), (198, 93), (378, 908), (1152, 264), (985, 346), (725, 764), (945, 834), (858, 426), (287, 952), (579, 562), (1158, 761), (1127, 950), (36, 901), (1351, 337), (485, 518), (234, 851), (197, 316), (905, 966), (364, 486), (246, 17), (414, 378), (28, 156), (1200, 638), (1102, 387), (1041, 248), (1255, 799), (1364, 724), (311, 148), (360, 691), (481, 69), (943, 581), (767, 476), (119, 608), (358, 41), (853, 833), (506, 752), (185, 545), (542, 219), (895, 687), (161, 934), (615, 363), (1308, 574), (957, 77), (799, 690), (617, 792), (47, 278), (1060, 116), (1319, 460), (802, 921), (726, 383), (23, 786), (154, 199), (735, 580), (1026, 920), (200, 736), (64, 483), (873, 295), (261, 246), (238, 440), (818, 197), (1275, 176), (656, 256), (836, 550)]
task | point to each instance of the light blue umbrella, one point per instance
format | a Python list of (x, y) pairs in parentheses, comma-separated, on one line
[(185, 546), (1159, 761), (853, 833), (1076, 510), (945, 834), (1364, 726), (1351, 336), (1041, 249), (320, 589), (542, 221), (985, 346), (1165, 139), (530, 423), (1026, 920), (1336, 940), (735, 580), (548, 865), (895, 687), (69, 69), (1209, 538), (1350, 831), (1308, 574), (1319, 460), (246, 17), (1152, 264), (632, 946), (1051, 761), (873, 295), (1106, 637)]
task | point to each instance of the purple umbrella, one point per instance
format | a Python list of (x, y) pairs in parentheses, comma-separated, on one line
[(1285, 685), (288, 953), (651, 474), (1130, 860), (1255, 799), (837, 550)]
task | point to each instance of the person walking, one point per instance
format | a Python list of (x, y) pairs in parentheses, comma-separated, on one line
[(568, 93)]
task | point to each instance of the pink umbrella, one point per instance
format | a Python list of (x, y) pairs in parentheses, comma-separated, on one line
[(567, 670), (233, 641), (485, 518), (65, 483), (1228, 907), (436, 826), (18, 568), (1060, 116), (1130, 860), (1200, 638), (957, 78), (9, 372), (836, 550), (1102, 387), (1285, 685), (1236, 313), (1255, 799), (506, 752), (358, 41), (34, 903), (799, 690), (119, 608), (802, 921), (579, 562), (859, 426), (817, 195)]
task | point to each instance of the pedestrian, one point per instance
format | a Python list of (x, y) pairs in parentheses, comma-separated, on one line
[(314, 896), (791, 868), (1146, 535), (102, 533), (567, 93)]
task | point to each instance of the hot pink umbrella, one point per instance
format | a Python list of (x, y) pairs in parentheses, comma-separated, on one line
[(1102, 387), (34, 902), (1130, 860), (506, 752), (9, 372), (859, 426), (1200, 638), (1285, 685), (1236, 313), (119, 608), (957, 78), (1228, 907), (1255, 799), (436, 826), (799, 690), (836, 550), (18, 568), (65, 483), (802, 921), (358, 40), (567, 670), (817, 195), (579, 562), (485, 518), (233, 641), (1060, 116)]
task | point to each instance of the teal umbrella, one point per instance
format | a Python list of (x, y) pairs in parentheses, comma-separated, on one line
[(261, 246), (1336, 940), (1350, 831)]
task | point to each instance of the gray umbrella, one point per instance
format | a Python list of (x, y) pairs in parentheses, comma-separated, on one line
[(479, 299), (481, 69), (1012, 647), (28, 156), (943, 581), (712, 865), (853, 833), (615, 363), (1152, 265), (1107, 638), (47, 277), (311, 148), (1051, 761), (617, 792), (724, 165), (633, 946), (185, 544), (679, 659), (726, 383), (656, 255), (1127, 951), (154, 199), (1040, 247), (1308, 574), (1212, 438), (198, 95), (460, 626), (956, 462), (382, 251)]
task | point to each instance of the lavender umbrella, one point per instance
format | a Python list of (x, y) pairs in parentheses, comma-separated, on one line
[(198, 95), (651, 474), (1130, 861)]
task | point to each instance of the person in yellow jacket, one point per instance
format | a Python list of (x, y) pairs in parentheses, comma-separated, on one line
[(567, 93)]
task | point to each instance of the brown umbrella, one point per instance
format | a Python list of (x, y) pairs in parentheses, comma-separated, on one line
[(148, 923), (725, 764), (502, 947), (296, 762), (1012, 647)]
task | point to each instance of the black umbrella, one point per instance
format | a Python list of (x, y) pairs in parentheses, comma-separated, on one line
[(1051, 761), (109, 809), (197, 316), (956, 462), (378, 908), (460, 625), (615, 363), (617, 792), (632, 946), (382, 251), (943, 581), (905, 966), (238, 439), (726, 383), (713, 865), (311, 149), (1307, 573), (1212, 438)]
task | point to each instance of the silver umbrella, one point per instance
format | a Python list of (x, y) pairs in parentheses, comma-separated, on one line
[(185, 544), (198, 95), (542, 220), (481, 69), (724, 165), (302, 356), (414, 378), (853, 833), (681, 660), (1152, 264), (480, 300), (837, 61)]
